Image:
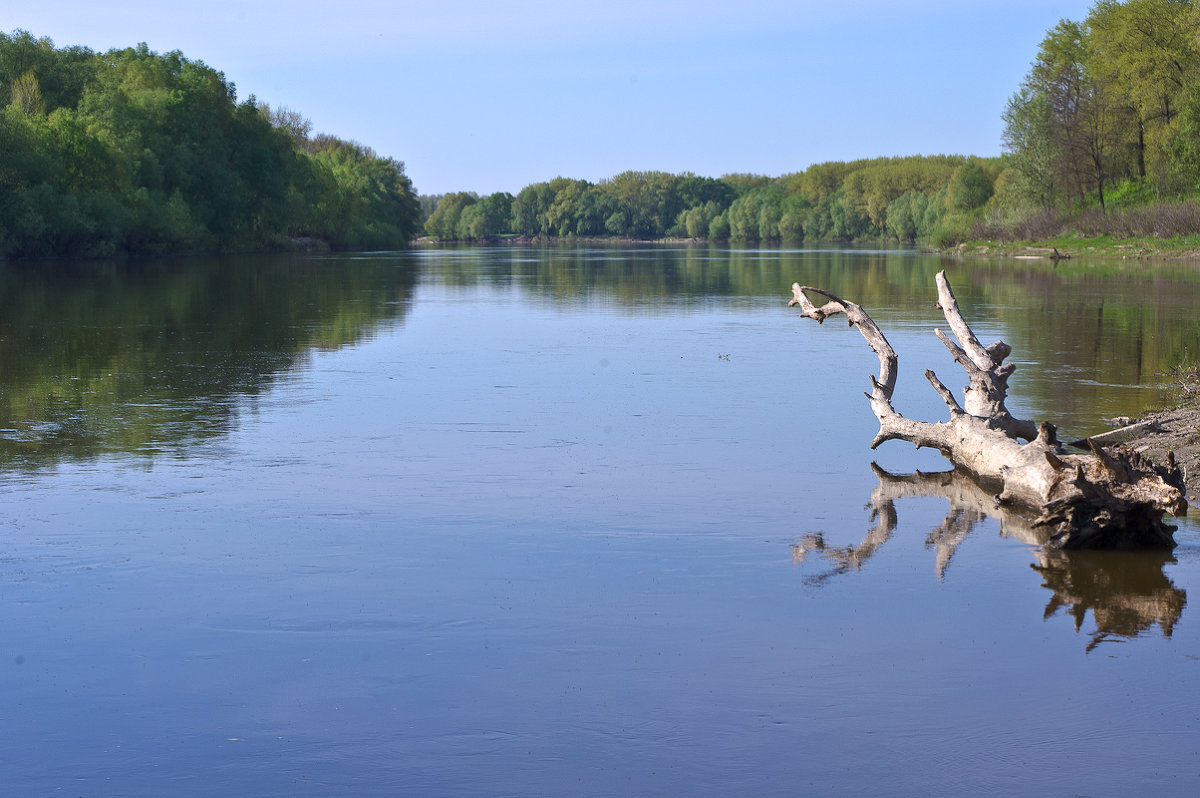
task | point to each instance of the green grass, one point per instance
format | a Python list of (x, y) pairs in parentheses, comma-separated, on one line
[(1102, 246)]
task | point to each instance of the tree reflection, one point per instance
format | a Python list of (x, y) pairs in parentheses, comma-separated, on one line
[(149, 357), (1127, 592)]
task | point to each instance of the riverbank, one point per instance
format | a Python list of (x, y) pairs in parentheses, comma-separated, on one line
[(1172, 429), (1070, 247), (1175, 430)]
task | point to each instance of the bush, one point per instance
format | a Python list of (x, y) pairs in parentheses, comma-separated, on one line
[(1131, 193), (718, 228), (952, 229)]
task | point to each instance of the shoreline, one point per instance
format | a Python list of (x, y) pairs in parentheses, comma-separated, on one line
[(1145, 249), (1177, 430), (1113, 249)]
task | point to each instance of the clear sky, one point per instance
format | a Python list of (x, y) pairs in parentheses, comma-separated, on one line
[(491, 96)]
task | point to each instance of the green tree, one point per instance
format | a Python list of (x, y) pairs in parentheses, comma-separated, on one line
[(845, 222), (970, 188), (444, 222), (529, 209), (27, 95), (487, 218), (293, 123), (1087, 121), (697, 221), (650, 200), (1032, 147), (696, 191), (718, 228), (905, 215), (744, 183), (61, 73), (144, 152), (794, 210), (1183, 145), (562, 217), (1146, 51), (743, 216)]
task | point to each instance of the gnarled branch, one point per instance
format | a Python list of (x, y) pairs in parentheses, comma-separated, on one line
[(1110, 499)]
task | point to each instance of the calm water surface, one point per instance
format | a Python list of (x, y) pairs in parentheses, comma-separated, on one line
[(565, 522)]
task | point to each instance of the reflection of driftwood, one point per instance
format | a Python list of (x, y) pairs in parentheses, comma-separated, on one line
[(970, 503), (1127, 592), (1110, 499)]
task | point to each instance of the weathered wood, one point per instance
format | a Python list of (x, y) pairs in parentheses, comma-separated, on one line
[(1122, 435), (1109, 499)]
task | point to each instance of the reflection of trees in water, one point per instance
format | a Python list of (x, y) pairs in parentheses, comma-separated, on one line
[(1127, 592), (639, 276), (145, 357), (1107, 325), (1094, 335)]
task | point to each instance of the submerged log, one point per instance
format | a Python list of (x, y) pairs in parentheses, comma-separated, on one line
[(1111, 498)]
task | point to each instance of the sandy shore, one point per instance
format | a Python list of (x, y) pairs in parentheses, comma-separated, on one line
[(1176, 430)]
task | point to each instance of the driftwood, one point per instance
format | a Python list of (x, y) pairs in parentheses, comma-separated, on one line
[(1127, 593), (1111, 498), (1122, 435)]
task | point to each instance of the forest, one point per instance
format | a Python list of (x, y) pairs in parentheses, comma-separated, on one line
[(909, 198), (1101, 138), (132, 151)]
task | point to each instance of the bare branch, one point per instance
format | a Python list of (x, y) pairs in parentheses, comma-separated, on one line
[(1107, 499), (944, 392), (962, 331), (881, 388)]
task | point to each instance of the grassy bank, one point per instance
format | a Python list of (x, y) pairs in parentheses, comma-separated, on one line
[(1075, 245), (1152, 230)]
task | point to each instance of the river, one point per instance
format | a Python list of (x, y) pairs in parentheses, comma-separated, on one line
[(590, 521)]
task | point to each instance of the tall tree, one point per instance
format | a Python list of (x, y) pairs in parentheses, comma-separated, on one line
[(27, 95), (1146, 51), (1086, 118), (1032, 148)]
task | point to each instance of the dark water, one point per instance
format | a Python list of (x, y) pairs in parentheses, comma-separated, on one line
[(569, 522)]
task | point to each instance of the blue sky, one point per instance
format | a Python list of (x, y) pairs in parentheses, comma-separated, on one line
[(491, 96)]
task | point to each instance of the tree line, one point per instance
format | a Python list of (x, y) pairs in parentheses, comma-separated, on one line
[(132, 151), (1102, 136), (907, 198), (135, 151)]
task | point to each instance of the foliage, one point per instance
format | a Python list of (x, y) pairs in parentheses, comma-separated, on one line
[(445, 219), (135, 151), (831, 201), (1106, 115), (970, 188), (140, 152), (1182, 146)]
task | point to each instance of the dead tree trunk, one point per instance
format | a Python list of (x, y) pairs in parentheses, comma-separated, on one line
[(1109, 499)]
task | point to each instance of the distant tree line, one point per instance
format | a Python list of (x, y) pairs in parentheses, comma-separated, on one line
[(1103, 136), (919, 197), (139, 152)]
